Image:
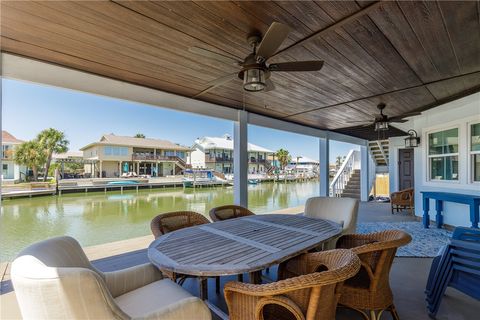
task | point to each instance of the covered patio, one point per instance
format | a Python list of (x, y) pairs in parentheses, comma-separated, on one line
[(419, 60)]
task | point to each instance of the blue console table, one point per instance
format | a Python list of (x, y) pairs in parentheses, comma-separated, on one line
[(440, 197)]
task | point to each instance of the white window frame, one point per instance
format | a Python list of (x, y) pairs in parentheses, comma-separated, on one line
[(427, 151), (471, 153)]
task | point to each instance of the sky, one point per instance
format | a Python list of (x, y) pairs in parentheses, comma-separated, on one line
[(29, 108)]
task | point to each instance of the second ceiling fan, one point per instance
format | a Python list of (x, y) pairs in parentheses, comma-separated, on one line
[(255, 72)]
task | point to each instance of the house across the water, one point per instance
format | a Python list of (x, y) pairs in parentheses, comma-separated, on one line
[(116, 156), (216, 153), (11, 171)]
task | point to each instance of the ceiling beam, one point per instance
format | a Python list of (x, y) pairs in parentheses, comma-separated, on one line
[(332, 27)]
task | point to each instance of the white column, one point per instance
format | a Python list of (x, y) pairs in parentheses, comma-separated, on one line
[(364, 187), (324, 155), (240, 159)]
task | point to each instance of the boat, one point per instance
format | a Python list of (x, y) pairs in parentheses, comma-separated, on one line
[(252, 181), (198, 177), (123, 182)]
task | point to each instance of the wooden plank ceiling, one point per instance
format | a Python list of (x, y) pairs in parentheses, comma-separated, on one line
[(410, 55)]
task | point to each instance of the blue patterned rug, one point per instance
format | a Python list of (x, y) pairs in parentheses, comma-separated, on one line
[(425, 242)]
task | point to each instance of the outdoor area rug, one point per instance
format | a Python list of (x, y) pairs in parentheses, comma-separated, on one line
[(425, 242)]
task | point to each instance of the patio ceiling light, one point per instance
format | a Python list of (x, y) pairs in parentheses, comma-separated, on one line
[(412, 141), (254, 80), (381, 126)]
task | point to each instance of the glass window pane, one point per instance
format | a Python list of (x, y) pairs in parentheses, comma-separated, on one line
[(443, 142), (475, 137), (476, 167), (451, 168), (437, 168)]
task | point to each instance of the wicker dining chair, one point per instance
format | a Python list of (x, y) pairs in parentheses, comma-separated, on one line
[(370, 289), (171, 221), (312, 295), (229, 212)]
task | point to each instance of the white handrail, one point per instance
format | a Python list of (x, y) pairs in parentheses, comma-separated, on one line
[(343, 174)]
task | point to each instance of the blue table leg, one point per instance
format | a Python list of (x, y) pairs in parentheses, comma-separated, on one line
[(474, 214), (439, 216), (426, 208)]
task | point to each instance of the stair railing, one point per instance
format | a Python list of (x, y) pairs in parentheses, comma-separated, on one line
[(343, 174)]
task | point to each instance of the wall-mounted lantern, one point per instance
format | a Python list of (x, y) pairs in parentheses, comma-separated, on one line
[(412, 141)]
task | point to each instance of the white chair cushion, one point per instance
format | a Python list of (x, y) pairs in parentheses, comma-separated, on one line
[(163, 299)]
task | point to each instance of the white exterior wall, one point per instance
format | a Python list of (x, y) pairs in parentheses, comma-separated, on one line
[(460, 113), (197, 158)]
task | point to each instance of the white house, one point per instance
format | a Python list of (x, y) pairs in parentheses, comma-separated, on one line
[(216, 153), (447, 158), (11, 172), (304, 166)]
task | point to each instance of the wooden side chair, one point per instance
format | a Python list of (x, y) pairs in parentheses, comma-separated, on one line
[(311, 295), (171, 221), (229, 212), (370, 289), (403, 199)]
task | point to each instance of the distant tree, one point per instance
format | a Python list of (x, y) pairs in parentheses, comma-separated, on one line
[(139, 135), (32, 155), (283, 157), (52, 140)]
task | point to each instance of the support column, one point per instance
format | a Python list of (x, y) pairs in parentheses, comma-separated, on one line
[(100, 169), (324, 166), (364, 184), (240, 159)]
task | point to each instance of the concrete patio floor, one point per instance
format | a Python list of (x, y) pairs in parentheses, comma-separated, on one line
[(408, 275)]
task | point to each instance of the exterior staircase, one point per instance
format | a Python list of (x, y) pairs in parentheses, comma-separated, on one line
[(352, 188), (346, 182), (379, 152)]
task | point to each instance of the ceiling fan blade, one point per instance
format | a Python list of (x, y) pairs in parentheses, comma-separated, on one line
[(214, 55), (397, 120), (272, 40), (296, 66), (216, 83), (359, 121), (269, 85), (405, 115)]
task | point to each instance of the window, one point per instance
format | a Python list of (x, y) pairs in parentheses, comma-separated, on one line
[(181, 154), (475, 151), (169, 153), (115, 151), (5, 170), (443, 154), (6, 152)]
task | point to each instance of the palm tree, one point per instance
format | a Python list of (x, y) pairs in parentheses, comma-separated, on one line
[(32, 155), (338, 161), (283, 157), (52, 141), (139, 135)]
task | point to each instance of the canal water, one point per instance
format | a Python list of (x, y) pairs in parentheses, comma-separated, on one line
[(98, 217)]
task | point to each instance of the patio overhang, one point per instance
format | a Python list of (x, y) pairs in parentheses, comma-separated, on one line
[(410, 55)]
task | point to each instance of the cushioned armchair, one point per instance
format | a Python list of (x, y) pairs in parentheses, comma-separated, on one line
[(340, 210), (402, 199), (53, 279)]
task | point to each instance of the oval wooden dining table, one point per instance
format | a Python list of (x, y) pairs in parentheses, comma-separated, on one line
[(236, 246)]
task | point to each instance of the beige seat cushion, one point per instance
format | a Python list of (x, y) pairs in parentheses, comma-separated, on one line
[(163, 299)]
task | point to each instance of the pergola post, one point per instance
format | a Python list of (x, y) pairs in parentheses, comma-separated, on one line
[(240, 159), (324, 149), (364, 185)]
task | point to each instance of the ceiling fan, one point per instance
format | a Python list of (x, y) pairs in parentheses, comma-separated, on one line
[(255, 72), (382, 121)]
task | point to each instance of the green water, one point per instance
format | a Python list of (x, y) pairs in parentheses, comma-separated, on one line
[(96, 218)]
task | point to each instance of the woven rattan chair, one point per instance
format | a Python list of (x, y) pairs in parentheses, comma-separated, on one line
[(403, 199), (313, 295), (171, 221), (229, 212), (370, 289)]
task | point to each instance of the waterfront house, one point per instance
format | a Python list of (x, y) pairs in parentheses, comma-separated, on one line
[(305, 167), (216, 153), (11, 171), (116, 156)]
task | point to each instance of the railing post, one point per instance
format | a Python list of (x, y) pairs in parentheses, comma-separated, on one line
[(324, 166), (240, 159)]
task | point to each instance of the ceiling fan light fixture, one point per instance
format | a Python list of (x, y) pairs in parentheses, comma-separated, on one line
[(381, 126), (254, 80)]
